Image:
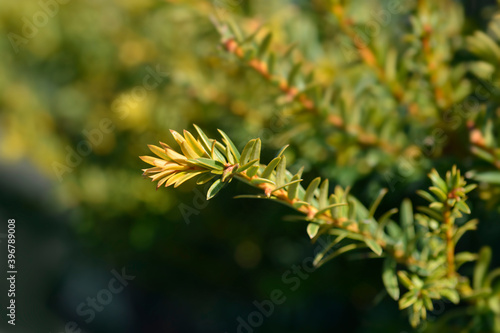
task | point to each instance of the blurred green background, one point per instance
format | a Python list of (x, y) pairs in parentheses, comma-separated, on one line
[(84, 87)]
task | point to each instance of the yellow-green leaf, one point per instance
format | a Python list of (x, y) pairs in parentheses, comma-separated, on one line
[(215, 188), (390, 278)]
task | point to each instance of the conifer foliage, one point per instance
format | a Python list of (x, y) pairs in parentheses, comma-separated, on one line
[(417, 80)]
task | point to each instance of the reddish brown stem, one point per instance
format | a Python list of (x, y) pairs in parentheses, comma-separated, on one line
[(364, 138)]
